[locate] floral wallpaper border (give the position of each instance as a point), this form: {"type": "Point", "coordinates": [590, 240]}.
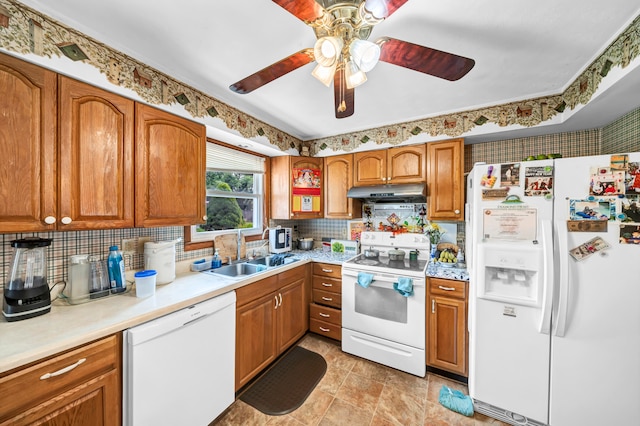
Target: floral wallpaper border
{"type": "Point", "coordinates": [24, 30]}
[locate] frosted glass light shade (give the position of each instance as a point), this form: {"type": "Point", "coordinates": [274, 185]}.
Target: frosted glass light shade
{"type": "Point", "coordinates": [327, 50]}
{"type": "Point", "coordinates": [365, 54]}
{"type": "Point", "coordinates": [377, 8]}
{"type": "Point", "coordinates": [354, 76]}
{"type": "Point", "coordinates": [324, 74]}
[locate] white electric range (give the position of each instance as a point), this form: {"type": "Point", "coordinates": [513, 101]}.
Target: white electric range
{"type": "Point", "coordinates": [380, 323]}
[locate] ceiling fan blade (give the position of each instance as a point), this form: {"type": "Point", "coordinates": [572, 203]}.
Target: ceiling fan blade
{"type": "Point", "coordinates": [424, 59]}
{"type": "Point", "coordinates": [305, 10]}
{"type": "Point", "coordinates": [273, 71]}
{"type": "Point", "coordinates": [343, 97]}
{"type": "Point", "coordinates": [383, 7]}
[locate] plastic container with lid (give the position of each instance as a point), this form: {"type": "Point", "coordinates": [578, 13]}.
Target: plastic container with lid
{"type": "Point", "coordinates": [77, 288]}
{"type": "Point", "coordinates": [116, 270]}
{"type": "Point", "coordinates": [145, 283]}
{"type": "Point", "coordinates": [161, 257]}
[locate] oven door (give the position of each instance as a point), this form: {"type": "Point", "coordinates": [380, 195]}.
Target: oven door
{"type": "Point", "coordinates": [381, 311]}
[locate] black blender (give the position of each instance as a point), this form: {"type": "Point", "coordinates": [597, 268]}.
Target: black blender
{"type": "Point", "coordinates": [26, 294]}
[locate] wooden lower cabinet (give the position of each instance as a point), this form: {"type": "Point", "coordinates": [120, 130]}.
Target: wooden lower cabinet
{"type": "Point", "coordinates": [447, 336]}
{"type": "Point", "coordinates": [51, 393]}
{"type": "Point", "coordinates": [325, 315]}
{"type": "Point", "coordinates": [271, 315]}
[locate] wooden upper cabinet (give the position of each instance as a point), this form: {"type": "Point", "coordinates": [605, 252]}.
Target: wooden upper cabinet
{"type": "Point", "coordinates": [338, 178]}
{"type": "Point", "coordinates": [96, 158]}
{"type": "Point", "coordinates": [370, 168]}
{"type": "Point", "coordinates": [404, 164]}
{"type": "Point", "coordinates": [28, 184]}
{"type": "Point", "coordinates": [445, 183]}
{"type": "Point", "coordinates": [170, 169]}
{"type": "Point", "coordinates": [297, 188]}
{"type": "Point", "coordinates": [407, 164]}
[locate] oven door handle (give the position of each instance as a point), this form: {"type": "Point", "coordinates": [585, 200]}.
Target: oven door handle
{"type": "Point", "coordinates": [386, 280]}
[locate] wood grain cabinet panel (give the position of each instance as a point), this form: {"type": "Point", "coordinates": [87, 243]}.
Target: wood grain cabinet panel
{"type": "Point", "coordinates": [79, 387]}
{"type": "Point", "coordinates": [96, 157]}
{"type": "Point", "coordinates": [28, 146]}
{"type": "Point", "coordinates": [447, 336]}
{"type": "Point", "coordinates": [404, 164]}
{"type": "Point", "coordinates": [284, 203]}
{"type": "Point", "coordinates": [338, 172]}
{"type": "Point", "coordinates": [170, 169]}
{"type": "Point", "coordinates": [445, 182]}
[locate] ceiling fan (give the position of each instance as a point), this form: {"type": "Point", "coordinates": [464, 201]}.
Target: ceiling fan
{"type": "Point", "coordinates": [344, 54]}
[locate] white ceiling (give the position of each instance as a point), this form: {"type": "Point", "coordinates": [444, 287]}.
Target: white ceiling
{"type": "Point", "coordinates": [522, 49]}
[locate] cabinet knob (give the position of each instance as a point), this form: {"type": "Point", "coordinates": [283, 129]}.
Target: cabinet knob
{"type": "Point", "coordinates": [66, 220]}
{"type": "Point", "coordinates": [292, 214]}
{"type": "Point", "coordinates": [456, 211]}
{"type": "Point", "coordinates": [49, 220]}
{"type": "Point", "coordinates": [204, 218]}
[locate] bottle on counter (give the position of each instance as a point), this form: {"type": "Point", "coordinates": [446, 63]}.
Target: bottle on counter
{"type": "Point", "coordinates": [116, 270]}
{"type": "Point", "coordinates": [217, 261]}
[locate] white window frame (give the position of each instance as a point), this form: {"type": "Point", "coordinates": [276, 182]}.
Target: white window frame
{"type": "Point", "coordinates": [218, 152]}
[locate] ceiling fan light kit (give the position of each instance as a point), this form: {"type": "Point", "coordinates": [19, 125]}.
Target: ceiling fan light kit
{"type": "Point", "coordinates": [344, 54]}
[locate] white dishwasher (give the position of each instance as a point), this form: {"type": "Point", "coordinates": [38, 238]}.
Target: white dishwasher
{"type": "Point", "coordinates": [179, 369]}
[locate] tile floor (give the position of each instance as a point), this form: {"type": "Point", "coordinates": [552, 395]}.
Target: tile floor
{"type": "Point", "coordinates": [355, 391]}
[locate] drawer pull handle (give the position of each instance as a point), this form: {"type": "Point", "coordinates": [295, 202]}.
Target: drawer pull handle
{"type": "Point", "coordinates": [322, 314]}
{"type": "Point", "coordinates": [63, 370]}
{"type": "Point", "coordinates": [327, 285]}
{"type": "Point", "coordinates": [328, 299]}
{"type": "Point", "coordinates": [327, 270]}
{"type": "Point", "coordinates": [446, 288]}
{"type": "Point", "coordinates": [326, 330]}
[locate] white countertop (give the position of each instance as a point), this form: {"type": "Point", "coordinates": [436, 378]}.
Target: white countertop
{"type": "Point", "coordinates": [68, 326]}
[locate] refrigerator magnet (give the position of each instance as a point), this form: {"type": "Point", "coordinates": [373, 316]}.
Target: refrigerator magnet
{"type": "Point", "coordinates": [630, 234]}
{"type": "Point", "coordinates": [592, 246]}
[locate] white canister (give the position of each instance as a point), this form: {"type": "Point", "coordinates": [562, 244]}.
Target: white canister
{"type": "Point", "coordinates": [161, 257]}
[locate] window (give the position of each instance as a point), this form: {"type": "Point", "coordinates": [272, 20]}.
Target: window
{"type": "Point", "coordinates": [235, 193]}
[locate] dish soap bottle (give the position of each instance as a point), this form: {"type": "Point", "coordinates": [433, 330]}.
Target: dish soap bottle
{"type": "Point", "coordinates": [116, 270]}
{"type": "Point", "coordinates": [216, 262]}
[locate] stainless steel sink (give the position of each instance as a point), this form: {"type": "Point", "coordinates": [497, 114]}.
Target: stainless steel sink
{"type": "Point", "coordinates": [267, 260]}
{"type": "Point", "coordinates": [236, 270]}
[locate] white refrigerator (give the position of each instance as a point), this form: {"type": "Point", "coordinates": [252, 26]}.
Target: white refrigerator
{"type": "Point", "coordinates": [553, 252]}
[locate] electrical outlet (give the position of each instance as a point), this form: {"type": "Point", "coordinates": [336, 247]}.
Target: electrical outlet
{"type": "Point", "coordinates": [141, 241]}
{"type": "Point", "coordinates": [129, 245]}
{"type": "Point", "coordinates": [344, 232]}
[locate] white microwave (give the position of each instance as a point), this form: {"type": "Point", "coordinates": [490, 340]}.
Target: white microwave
{"type": "Point", "coordinates": [280, 240]}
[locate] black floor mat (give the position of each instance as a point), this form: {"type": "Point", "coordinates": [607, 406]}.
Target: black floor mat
{"type": "Point", "coordinates": [287, 384]}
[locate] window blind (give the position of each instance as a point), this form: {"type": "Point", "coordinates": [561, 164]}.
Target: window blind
{"type": "Point", "coordinates": [223, 158]}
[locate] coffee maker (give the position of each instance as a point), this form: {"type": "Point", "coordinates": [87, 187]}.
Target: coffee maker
{"type": "Point", "coordinates": [26, 294]}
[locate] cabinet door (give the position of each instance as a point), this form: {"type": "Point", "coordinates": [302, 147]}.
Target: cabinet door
{"type": "Point", "coordinates": [96, 158]}
{"type": "Point", "coordinates": [338, 172]}
{"type": "Point", "coordinates": [255, 337]}
{"type": "Point", "coordinates": [28, 183]}
{"type": "Point", "coordinates": [289, 201]}
{"type": "Point", "coordinates": [407, 164]}
{"type": "Point", "coordinates": [170, 169]}
{"type": "Point", "coordinates": [94, 403]}
{"type": "Point", "coordinates": [369, 168]}
{"type": "Point", "coordinates": [292, 314]}
{"type": "Point", "coordinates": [445, 180]}
{"type": "Point", "coordinates": [447, 335]}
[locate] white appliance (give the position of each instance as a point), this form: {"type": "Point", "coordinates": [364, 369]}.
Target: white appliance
{"type": "Point", "coordinates": [179, 369]}
{"type": "Point", "coordinates": [379, 323]}
{"type": "Point", "coordinates": [279, 240]}
{"type": "Point", "coordinates": [554, 340]}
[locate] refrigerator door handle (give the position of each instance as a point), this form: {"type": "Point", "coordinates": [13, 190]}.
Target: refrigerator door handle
{"type": "Point", "coordinates": [563, 294]}
{"type": "Point", "coordinates": [547, 284]}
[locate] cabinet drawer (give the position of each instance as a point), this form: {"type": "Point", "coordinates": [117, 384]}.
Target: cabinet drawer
{"type": "Point", "coordinates": [448, 288]}
{"type": "Point", "coordinates": [327, 284]}
{"type": "Point", "coordinates": [327, 270]}
{"type": "Point", "coordinates": [327, 298]}
{"type": "Point", "coordinates": [42, 381]}
{"type": "Point", "coordinates": [325, 314]}
{"type": "Point", "coordinates": [326, 329]}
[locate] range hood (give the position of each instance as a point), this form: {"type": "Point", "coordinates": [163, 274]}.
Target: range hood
{"type": "Point", "coordinates": [409, 193]}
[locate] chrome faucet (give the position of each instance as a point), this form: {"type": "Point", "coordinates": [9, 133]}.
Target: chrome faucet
{"type": "Point", "coordinates": [239, 244]}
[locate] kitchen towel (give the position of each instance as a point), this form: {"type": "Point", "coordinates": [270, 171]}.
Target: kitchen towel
{"type": "Point", "coordinates": [456, 401]}
{"type": "Point", "coordinates": [404, 286]}
{"type": "Point", "coordinates": [261, 268]}
{"type": "Point", "coordinates": [364, 279]}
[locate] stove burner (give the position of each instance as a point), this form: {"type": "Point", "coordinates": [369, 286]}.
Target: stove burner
{"type": "Point", "coordinates": [368, 262]}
